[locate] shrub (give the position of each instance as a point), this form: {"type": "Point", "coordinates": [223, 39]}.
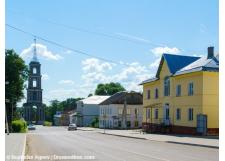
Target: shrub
{"type": "Point", "coordinates": [47, 123]}
{"type": "Point", "coordinates": [95, 122]}
{"type": "Point", "coordinates": [19, 126]}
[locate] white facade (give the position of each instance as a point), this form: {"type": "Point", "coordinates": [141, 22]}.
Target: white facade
{"type": "Point", "coordinates": [88, 110]}
{"type": "Point", "coordinates": [110, 116]}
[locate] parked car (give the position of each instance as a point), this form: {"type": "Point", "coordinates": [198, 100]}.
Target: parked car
{"type": "Point", "coordinates": [72, 127]}
{"type": "Point", "coordinates": [31, 127]}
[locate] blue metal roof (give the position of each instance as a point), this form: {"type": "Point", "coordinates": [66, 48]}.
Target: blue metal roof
{"type": "Point", "coordinates": [180, 64]}
{"type": "Point", "coordinates": [176, 62]}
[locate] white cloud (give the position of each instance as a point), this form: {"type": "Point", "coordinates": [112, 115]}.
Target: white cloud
{"type": "Point", "coordinates": [69, 82]}
{"type": "Point", "coordinates": [93, 64]}
{"type": "Point", "coordinates": [155, 64]}
{"type": "Point", "coordinates": [158, 51]}
{"type": "Point", "coordinates": [42, 51]}
{"type": "Point", "coordinates": [45, 77]}
{"type": "Point", "coordinates": [96, 71]}
{"type": "Point", "coordinates": [60, 94]}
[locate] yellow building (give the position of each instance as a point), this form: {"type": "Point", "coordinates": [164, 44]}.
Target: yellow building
{"type": "Point", "coordinates": [183, 97]}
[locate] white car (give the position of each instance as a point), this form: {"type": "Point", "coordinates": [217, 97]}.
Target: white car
{"type": "Point", "coordinates": [72, 127]}
{"type": "Point", "coordinates": [31, 127]}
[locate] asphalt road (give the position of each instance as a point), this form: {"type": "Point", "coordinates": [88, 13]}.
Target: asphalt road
{"type": "Point", "coordinates": [56, 143]}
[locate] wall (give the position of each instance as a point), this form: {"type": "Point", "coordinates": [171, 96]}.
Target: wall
{"type": "Point", "coordinates": [211, 98]}
{"type": "Point", "coordinates": [115, 112]}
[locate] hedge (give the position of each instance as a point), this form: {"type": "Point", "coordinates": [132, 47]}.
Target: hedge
{"type": "Point", "coordinates": [47, 123]}
{"type": "Point", "coordinates": [19, 126]}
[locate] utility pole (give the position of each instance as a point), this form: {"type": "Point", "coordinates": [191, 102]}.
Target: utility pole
{"type": "Point", "coordinates": [6, 119]}
{"type": "Point", "coordinates": [125, 112]}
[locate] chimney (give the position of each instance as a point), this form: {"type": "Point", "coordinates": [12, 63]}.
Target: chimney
{"type": "Point", "coordinates": [210, 52]}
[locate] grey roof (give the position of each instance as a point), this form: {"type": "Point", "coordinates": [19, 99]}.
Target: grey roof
{"type": "Point", "coordinates": [94, 99]}
{"type": "Point", "coordinates": [132, 98]}
{"type": "Point", "coordinates": [179, 64]}
{"type": "Point", "coordinates": [202, 64]}
{"type": "Point", "coordinates": [149, 80]}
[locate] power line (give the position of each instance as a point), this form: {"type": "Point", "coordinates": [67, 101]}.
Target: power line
{"type": "Point", "coordinates": [131, 39]}
{"type": "Point", "coordinates": [62, 46]}
{"type": "Point", "coordinates": [88, 31]}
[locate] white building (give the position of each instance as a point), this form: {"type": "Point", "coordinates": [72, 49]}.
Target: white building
{"type": "Point", "coordinates": [114, 109]}
{"type": "Point", "coordinates": [87, 110]}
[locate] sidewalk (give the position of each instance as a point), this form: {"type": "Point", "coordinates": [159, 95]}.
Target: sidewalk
{"type": "Point", "coordinates": [178, 139]}
{"type": "Point", "coordinates": [15, 146]}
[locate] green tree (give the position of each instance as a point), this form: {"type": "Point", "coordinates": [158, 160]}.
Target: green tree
{"type": "Point", "coordinates": [109, 88]}
{"type": "Point", "coordinates": [50, 110]}
{"type": "Point", "coordinates": [16, 73]}
{"type": "Point", "coordinates": [90, 95]}
{"type": "Point", "coordinates": [55, 105]}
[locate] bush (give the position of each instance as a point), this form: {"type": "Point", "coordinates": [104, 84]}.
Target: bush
{"type": "Point", "coordinates": [95, 122]}
{"type": "Point", "coordinates": [19, 126]}
{"type": "Point", "coordinates": [47, 123]}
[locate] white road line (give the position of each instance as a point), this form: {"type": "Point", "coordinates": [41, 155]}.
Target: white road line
{"type": "Point", "coordinates": [24, 147]}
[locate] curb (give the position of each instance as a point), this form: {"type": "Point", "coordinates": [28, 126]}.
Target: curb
{"type": "Point", "coordinates": [85, 130]}
{"type": "Point", "coordinates": [200, 145]}
{"type": "Point", "coordinates": [172, 142]}
{"type": "Point", "coordinates": [123, 136]}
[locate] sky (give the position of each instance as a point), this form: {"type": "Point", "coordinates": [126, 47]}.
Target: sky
{"type": "Point", "coordinates": [124, 40]}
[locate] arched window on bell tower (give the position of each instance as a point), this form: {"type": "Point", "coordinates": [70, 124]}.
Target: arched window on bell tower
{"type": "Point", "coordinates": [34, 83]}
{"type": "Point", "coordinates": [34, 70]}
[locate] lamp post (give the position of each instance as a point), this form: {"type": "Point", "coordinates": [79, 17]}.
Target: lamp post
{"type": "Point", "coordinates": [104, 116]}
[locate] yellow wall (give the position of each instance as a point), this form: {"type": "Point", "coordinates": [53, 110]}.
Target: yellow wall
{"type": "Point", "coordinates": [211, 98]}
{"type": "Point", "coordinates": [204, 101]}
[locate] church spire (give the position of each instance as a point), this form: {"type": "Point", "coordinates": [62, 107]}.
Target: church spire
{"type": "Point", "coordinates": [35, 52]}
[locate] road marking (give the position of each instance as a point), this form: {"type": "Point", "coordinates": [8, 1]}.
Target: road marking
{"type": "Point", "coordinates": [24, 147]}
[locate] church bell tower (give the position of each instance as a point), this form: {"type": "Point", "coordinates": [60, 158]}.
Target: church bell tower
{"type": "Point", "coordinates": [33, 108]}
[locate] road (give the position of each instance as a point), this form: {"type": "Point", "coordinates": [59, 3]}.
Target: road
{"type": "Point", "coordinates": [56, 143]}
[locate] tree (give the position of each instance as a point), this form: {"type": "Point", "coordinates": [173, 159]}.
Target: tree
{"type": "Point", "coordinates": [109, 88]}
{"type": "Point", "coordinates": [16, 73]}
{"type": "Point", "coordinates": [63, 106]}
{"type": "Point", "coordinates": [90, 95]}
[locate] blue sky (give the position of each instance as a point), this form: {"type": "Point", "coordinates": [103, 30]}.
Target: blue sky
{"type": "Point", "coordinates": [139, 31]}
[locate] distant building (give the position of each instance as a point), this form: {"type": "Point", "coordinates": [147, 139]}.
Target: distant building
{"type": "Point", "coordinates": [87, 110]}
{"type": "Point", "coordinates": [122, 110]}
{"type": "Point", "coordinates": [57, 118]}
{"type": "Point", "coordinates": [62, 118]}
{"type": "Point", "coordinates": [183, 97]}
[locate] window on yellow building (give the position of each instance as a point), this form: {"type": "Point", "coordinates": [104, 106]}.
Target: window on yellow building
{"type": "Point", "coordinates": [190, 114]}
{"type": "Point", "coordinates": [148, 113]}
{"type": "Point", "coordinates": [178, 90]}
{"type": "Point", "coordinates": [167, 86]}
{"type": "Point", "coordinates": [178, 114]}
{"type": "Point", "coordinates": [148, 94]}
{"type": "Point", "coordinates": [190, 89]}
{"type": "Point", "coordinates": [156, 113]}
{"type": "Point", "coordinates": [156, 93]}
{"type": "Point", "coordinates": [136, 112]}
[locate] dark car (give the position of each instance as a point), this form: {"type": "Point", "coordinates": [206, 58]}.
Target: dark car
{"type": "Point", "coordinates": [72, 127]}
